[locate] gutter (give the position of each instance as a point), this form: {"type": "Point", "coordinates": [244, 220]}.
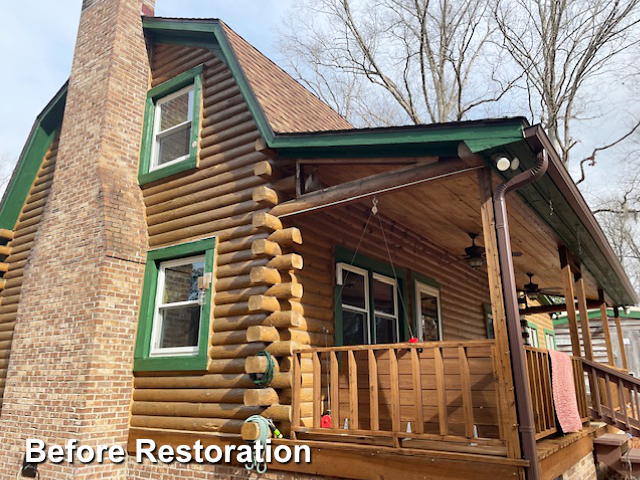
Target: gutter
{"type": "Point", "coordinates": [516, 345]}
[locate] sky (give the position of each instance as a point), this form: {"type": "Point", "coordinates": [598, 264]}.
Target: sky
{"type": "Point", "coordinates": [36, 49]}
{"type": "Point", "coordinates": [37, 41]}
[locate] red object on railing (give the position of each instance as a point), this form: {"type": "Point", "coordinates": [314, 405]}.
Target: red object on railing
{"type": "Point", "coordinates": [413, 340]}
{"type": "Point", "coordinates": [325, 421]}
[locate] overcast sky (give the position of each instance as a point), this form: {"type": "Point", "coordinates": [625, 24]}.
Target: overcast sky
{"type": "Point", "coordinates": [36, 49]}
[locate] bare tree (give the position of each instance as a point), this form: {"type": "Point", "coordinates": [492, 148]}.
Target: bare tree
{"type": "Point", "coordinates": [418, 60]}
{"type": "Point", "coordinates": [561, 46]}
{"type": "Point", "coordinates": [7, 162]}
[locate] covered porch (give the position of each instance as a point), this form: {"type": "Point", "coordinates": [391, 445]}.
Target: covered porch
{"type": "Point", "coordinates": [359, 381]}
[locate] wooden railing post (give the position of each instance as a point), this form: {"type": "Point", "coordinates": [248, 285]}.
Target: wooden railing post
{"type": "Point", "coordinates": [604, 317]}
{"type": "Point", "coordinates": [623, 350]}
{"type": "Point", "coordinates": [506, 389]}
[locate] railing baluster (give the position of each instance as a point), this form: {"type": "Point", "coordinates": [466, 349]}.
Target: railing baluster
{"type": "Point", "coordinates": [467, 401]}
{"type": "Point", "coordinates": [317, 389]}
{"type": "Point", "coordinates": [548, 393]}
{"type": "Point", "coordinates": [598, 398]}
{"type": "Point", "coordinates": [610, 405]}
{"type": "Point", "coordinates": [395, 390]}
{"type": "Point", "coordinates": [416, 374]}
{"type": "Point", "coordinates": [373, 391]}
{"type": "Point", "coordinates": [442, 392]}
{"type": "Point", "coordinates": [353, 391]}
{"type": "Point", "coordinates": [334, 389]}
{"type": "Point", "coordinates": [623, 402]}
{"type": "Point", "coordinates": [634, 396]}
{"type": "Point", "coordinates": [296, 393]}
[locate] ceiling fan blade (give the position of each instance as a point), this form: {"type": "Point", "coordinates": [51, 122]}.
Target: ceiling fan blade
{"type": "Point", "coordinates": [516, 254]}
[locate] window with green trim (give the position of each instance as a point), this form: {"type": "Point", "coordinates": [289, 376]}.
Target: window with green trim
{"type": "Point", "coordinates": [532, 334]}
{"type": "Point", "coordinates": [172, 121]}
{"type": "Point", "coordinates": [550, 339]}
{"type": "Point", "coordinates": [173, 331]}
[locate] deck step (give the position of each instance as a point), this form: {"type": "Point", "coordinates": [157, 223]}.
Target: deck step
{"type": "Point", "coordinates": [611, 439]}
{"type": "Point", "coordinates": [632, 456]}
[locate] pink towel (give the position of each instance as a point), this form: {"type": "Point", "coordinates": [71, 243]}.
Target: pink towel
{"type": "Point", "coordinates": [564, 392]}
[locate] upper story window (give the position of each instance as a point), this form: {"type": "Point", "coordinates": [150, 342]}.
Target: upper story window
{"type": "Point", "coordinates": [171, 127]}
{"type": "Point", "coordinates": [173, 330]}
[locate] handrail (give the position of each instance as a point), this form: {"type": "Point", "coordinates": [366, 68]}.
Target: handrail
{"type": "Point", "coordinates": [433, 395]}
{"type": "Point", "coordinates": [615, 397]}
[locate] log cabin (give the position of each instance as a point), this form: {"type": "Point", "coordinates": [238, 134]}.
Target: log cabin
{"type": "Point", "coordinates": [191, 238]}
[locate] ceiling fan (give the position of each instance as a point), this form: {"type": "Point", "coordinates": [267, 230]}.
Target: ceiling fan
{"type": "Point", "coordinates": [532, 289]}
{"type": "Point", "coordinates": [475, 254]}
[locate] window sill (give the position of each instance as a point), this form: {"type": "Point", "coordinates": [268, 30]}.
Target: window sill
{"type": "Point", "coordinates": [173, 169]}
{"type": "Point", "coordinates": [179, 363]}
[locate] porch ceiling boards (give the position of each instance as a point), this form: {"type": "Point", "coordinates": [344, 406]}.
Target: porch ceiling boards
{"type": "Point", "coordinates": [444, 211]}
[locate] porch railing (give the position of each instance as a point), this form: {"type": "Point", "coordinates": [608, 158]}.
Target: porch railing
{"type": "Point", "coordinates": [436, 395]}
{"type": "Point", "coordinates": [615, 396]}
{"type": "Point", "coordinates": [539, 370]}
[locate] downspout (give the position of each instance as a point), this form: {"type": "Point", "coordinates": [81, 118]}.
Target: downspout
{"type": "Point", "coordinates": [516, 345]}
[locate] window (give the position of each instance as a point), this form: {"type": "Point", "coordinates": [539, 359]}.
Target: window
{"type": "Point", "coordinates": [532, 335]}
{"type": "Point", "coordinates": [171, 127]}
{"type": "Point", "coordinates": [550, 339]}
{"type": "Point", "coordinates": [429, 325]}
{"type": "Point", "coordinates": [173, 330]}
{"type": "Point", "coordinates": [369, 309]}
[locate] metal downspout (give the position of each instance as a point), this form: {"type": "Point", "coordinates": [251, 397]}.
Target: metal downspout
{"type": "Point", "coordinates": [516, 344]}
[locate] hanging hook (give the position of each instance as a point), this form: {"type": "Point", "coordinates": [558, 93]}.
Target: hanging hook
{"type": "Point", "coordinates": [374, 209]}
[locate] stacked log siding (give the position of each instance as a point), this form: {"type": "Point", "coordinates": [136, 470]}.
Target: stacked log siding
{"type": "Point", "coordinates": [24, 234]}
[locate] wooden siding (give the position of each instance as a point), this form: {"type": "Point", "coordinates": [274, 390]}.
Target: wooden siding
{"type": "Point", "coordinates": [25, 231]}
{"type": "Point", "coordinates": [215, 199]}
{"type": "Point", "coordinates": [463, 291]}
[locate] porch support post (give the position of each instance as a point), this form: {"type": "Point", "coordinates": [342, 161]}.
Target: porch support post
{"type": "Point", "coordinates": [604, 316]}
{"type": "Point", "coordinates": [569, 296]}
{"type": "Point", "coordinates": [584, 319]}
{"type": "Point", "coordinates": [507, 400]}
{"type": "Point", "coordinates": [623, 351]}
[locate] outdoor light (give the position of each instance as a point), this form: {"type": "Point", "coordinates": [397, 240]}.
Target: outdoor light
{"type": "Point", "coordinates": [502, 161]}
{"type": "Point", "coordinates": [515, 163]}
{"type": "Point", "coordinates": [475, 262]}
{"type": "Point", "coordinates": [627, 310]}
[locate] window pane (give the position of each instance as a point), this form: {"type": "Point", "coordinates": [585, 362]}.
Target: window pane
{"type": "Point", "coordinates": [429, 317]}
{"type": "Point", "coordinates": [383, 297]}
{"type": "Point", "coordinates": [180, 326]}
{"type": "Point", "coordinates": [353, 328]}
{"type": "Point", "coordinates": [353, 289]}
{"type": "Point", "coordinates": [385, 330]}
{"type": "Point", "coordinates": [176, 111]}
{"type": "Point", "coordinates": [181, 282]}
{"type": "Point", "coordinates": [174, 145]}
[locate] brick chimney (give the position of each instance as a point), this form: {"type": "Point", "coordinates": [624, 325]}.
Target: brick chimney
{"type": "Point", "coordinates": [70, 367]}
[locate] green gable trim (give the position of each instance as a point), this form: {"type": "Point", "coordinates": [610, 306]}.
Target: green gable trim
{"type": "Point", "coordinates": [190, 77]}
{"type": "Point", "coordinates": [142, 360]}
{"type": "Point", "coordinates": [44, 130]}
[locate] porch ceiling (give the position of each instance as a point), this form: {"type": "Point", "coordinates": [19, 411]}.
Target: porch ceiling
{"type": "Point", "coordinates": [445, 211]}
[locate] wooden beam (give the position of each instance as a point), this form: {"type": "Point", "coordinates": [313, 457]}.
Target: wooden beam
{"type": "Point", "coordinates": [584, 319]}
{"type": "Point", "coordinates": [506, 389]}
{"type": "Point", "coordinates": [568, 283]}
{"type": "Point", "coordinates": [559, 307]}
{"type": "Point", "coordinates": [605, 329]}
{"type": "Point", "coordinates": [623, 350]}
{"type": "Point", "coordinates": [372, 185]}
{"type": "Point", "coordinates": [368, 161]}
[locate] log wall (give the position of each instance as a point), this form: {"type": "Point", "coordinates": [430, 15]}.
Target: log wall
{"type": "Point", "coordinates": [24, 234]}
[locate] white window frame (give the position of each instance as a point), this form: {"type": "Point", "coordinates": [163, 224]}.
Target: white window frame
{"type": "Point", "coordinates": [396, 317]}
{"type": "Point", "coordinates": [155, 350]}
{"type": "Point", "coordinates": [551, 345]}
{"type": "Point", "coordinates": [344, 267]}
{"type": "Point", "coordinates": [420, 287]}
{"type": "Point", "coordinates": [533, 334]}
{"type": "Point", "coordinates": [157, 134]}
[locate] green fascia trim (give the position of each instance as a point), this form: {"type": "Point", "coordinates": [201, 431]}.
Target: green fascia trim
{"type": "Point", "coordinates": [193, 76]}
{"type": "Point", "coordinates": [142, 360]}
{"type": "Point", "coordinates": [435, 140]}
{"type": "Point", "coordinates": [42, 134]}
{"type": "Point", "coordinates": [204, 31]}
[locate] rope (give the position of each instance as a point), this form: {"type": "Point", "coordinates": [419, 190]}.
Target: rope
{"type": "Point", "coordinates": [265, 426]}
{"type": "Point", "coordinates": [393, 269]}
{"type": "Point", "coordinates": [264, 379]}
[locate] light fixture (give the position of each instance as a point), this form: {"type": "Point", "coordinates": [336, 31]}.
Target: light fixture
{"type": "Point", "coordinates": [515, 163]}
{"type": "Point", "coordinates": [627, 310]}
{"type": "Point", "coordinates": [502, 161]}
